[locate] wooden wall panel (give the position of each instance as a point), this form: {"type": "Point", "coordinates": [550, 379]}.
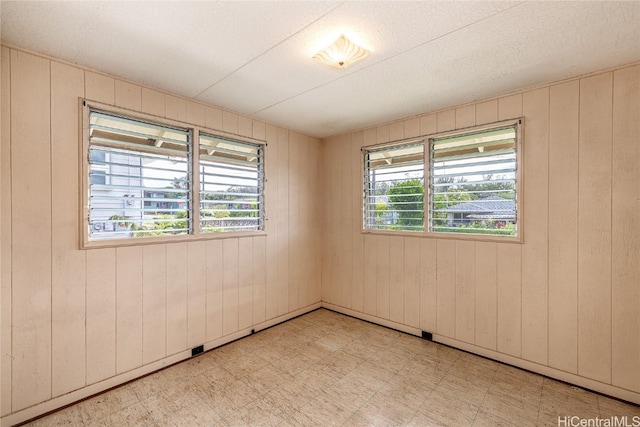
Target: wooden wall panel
{"type": "Point", "coordinates": [446, 120]}
{"type": "Point", "coordinates": [175, 108]}
{"type": "Point", "coordinates": [428, 284]}
{"type": "Point", "coordinates": [245, 126]}
{"type": "Point", "coordinates": [536, 224]}
{"type": "Point", "coordinates": [271, 223]}
{"type": "Point", "coordinates": [625, 222]}
{"type": "Point", "coordinates": [196, 293]}
{"type": "Point", "coordinates": [259, 279]}
{"type": "Point", "coordinates": [67, 272]}
{"type": "Point", "coordinates": [465, 116]}
{"type": "Point", "coordinates": [154, 302]}
{"type": "Point", "coordinates": [411, 267]}
{"type": "Point", "coordinates": [31, 234]}
{"type": "Point", "coordinates": [128, 95]}
{"type": "Point", "coordinates": [214, 307]}
{"type": "Point", "coordinates": [357, 254]}
{"type": "Point", "coordinates": [98, 87]}
{"type": "Point", "coordinates": [213, 118]}
{"type": "Point", "coordinates": [295, 246]}
{"type": "Point", "coordinates": [428, 124]}
{"type": "Point", "coordinates": [563, 226]}
{"type": "Point", "coordinates": [382, 263]}
{"type": "Point", "coordinates": [5, 232]}
{"type": "Point", "coordinates": [396, 278]}
{"type": "Point", "coordinates": [370, 286]}
{"type": "Point", "coordinates": [305, 224]}
{"type": "Point", "coordinates": [176, 297]}
{"type": "Point", "coordinates": [465, 291]}
{"type": "Point", "coordinates": [152, 102]}
{"type": "Point", "coordinates": [128, 308]}
{"type": "Point", "coordinates": [486, 294]}
{"type": "Point", "coordinates": [446, 287]}
{"type": "Point", "coordinates": [346, 223]}
{"type": "Point", "coordinates": [101, 314]}
{"type": "Point", "coordinates": [230, 294]}
{"type": "Point", "coordinates": [229, 122]}
{"type": "Point", "coordinates": [334, 166]}
{"type": "Point", "coordinates": [282, 257]}
{"type": "Point", "coordinates": [487, 112]}
{"type": "Point", "coordinates": [245, 282]}
{"type": "Point", "coordinates": [325, 261]}
{"type": "Point", "coordinates": [594, 228]}
{"type": "Point", "coordinates": [196, 114]}
{"type": "Point", "coordinates": [509, 331]}
{"type": "Point", "coordinates": [316, 184]}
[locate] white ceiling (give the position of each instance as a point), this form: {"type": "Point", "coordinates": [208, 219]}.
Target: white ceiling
{"type": "Point", "coordinates": [255, 57]}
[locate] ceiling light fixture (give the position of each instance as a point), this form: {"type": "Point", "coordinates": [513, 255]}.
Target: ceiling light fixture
{"type": "Point", "coordinates": [341, 53]}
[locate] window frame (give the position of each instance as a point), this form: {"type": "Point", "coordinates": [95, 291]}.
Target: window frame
{"type": "Point", "coordinates": [195, 234]}
{"type": "Point", "coordinates": [517, 123]}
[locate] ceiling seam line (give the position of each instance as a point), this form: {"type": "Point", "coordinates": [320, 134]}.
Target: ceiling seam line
{"type": "Point", "coordinates": [387, 59]}
{"type": "Point", "coordinates": [268, 50]}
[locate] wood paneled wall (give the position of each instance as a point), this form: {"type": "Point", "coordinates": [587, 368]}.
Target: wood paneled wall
{"type": "Point", "coordinates": [74, 318]}
{"type": "Point", "coordinates": [567, 300]}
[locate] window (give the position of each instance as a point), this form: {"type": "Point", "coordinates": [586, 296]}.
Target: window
{"type": "Point", "coordinates": [139, 178]}
{"type": "Point", "coordinates": [231, 184]}
{"type": "Point", "coordinates": [394, 187]}
{"type": "Point", "coordinates": [472, 183]}
{"type": "Point", "coordinates": [145, 179]}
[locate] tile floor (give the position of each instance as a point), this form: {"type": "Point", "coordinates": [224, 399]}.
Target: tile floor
{"type": "Point", "coordinates": [325, 369]}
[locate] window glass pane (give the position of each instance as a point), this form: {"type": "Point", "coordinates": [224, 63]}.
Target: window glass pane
{"type": "Point", "coordinates": [394, 188]}
{"type": "Point", "coordinates": [231, 185]}
{"type": "Point", "coordinates": [473, 182]}
{"type": "Point", "coordinates": [139, 178]}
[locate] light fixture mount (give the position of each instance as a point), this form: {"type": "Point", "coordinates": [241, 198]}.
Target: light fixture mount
{"type": "Point", "coordinates": [341, 53]}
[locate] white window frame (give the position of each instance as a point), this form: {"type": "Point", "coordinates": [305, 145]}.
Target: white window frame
{"type": "Point", "coordinates": [86, 242]}
{"type": "Point", "coordinates": [518, 237]}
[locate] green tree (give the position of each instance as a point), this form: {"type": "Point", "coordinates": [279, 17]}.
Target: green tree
{"type": "Point", "coordinates": [407, 198]}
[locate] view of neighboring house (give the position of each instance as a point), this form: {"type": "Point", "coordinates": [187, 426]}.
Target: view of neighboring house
{"type": "Point", "coordinates": [493, 208]}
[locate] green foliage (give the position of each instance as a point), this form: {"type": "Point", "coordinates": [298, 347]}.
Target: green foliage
{"type": "Point", "coordinates": [218, 211]}
{"type": "Point", "coordinates": [407, 198]}
{"type": "Point", "coordinates": [480, 227]}
{"type": "Point", "coordinates": [163, 224]}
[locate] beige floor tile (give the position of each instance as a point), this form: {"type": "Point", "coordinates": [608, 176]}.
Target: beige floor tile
{"type": "Point", "coordinates": [470, 390]}
{"type": "Point", "coordinates": [69, 417]}
{"type": "Point", "coordinates": [439, 409]}
{"type": "Point", "coordinates": [397, 412]}
{"type": "Point", "coordinates": [406, 390]}
{"type": "Point", "coordinates": [313, 351]}
{"type": "Point", "coordinates": [267, 378]}
{"type": "Point", "coordinates": [133, 415]}
{"type": "Point", "coordinates": [189, 416]}
{"type": "Point", "coordinates": [609, 407]}
{"type": "Point", "coordinates": [487, 419]}
{"type": "Point", "coordinates": [323, 410]}
{"type": "Point", "coordinates": [351, 390]}
{"type": "Point", "coordinates": [291, 395]}
{"type": "Point", "coordinates": [260, 413]}
{"type": "Point", "coordinates": [242, 365]}
{"type": "Point", "coordinates": [105, 404]}
{"type": "Point", "coordinates": [511, 408]}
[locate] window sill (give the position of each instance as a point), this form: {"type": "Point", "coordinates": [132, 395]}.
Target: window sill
{"type": "Point", "coordinates": [156, 240]}
{"type": "Point", "coordinates": [448, 236]}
